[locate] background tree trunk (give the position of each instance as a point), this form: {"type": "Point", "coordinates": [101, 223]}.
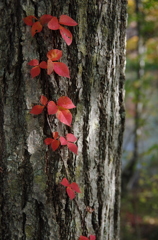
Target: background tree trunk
{"type": "Point", "coordinates": [33, 203]}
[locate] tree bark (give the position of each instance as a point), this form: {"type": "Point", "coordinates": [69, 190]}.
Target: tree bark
{"type": "Point", "coordinates": [33, 203]}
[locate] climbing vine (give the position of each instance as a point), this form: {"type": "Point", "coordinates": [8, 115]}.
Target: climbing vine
{"type": "Point", "coordinates": [63, 105]}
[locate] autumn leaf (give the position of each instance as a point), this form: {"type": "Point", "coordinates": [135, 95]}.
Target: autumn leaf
{"type": "Point", "coordinates": [52, 107]}
{"type": "Point", "coordinates": [71, 188]}
{"type": "Point", "coordinates": [29, 20]}
{"type": "Point", "coordinates": [53, 24]}
{"type": "Point", "coordinates": [64, 116]}
{"type": "Point", "coordinates": [83, 238]}
{"type": "Point", "coordinates": [36, 27]}
{"type": "Point", "coordinates": [70, 193]}
{"type": "Point", "coordinates": [43, 65]}
{"type": "Point", "coordinates": [92, 237]}
{"type": "Point", "coordinates": [55, 135]}
{"type": "Point", "coordinates": [72, 147]}
{"type": "Point", "coordinates": [71, 138]}
{"type": "Point", "coordinates": [65, 102]}
{"type": "Point", "coordinates": [37, 109]}
{"type": "Point", "coordinates": [66, 20]}
{"type": "Point", "coordinates": [33, 62]}
{"type": "Point", "coordinates": [66, 35]}
{"type": "Point", "coordinates": [35, 71]}
{"type": "Point", "coordinates": [75, 187]}
{"type": "Point", "coordinates": [44, 19]}
{"type": "Point", "coordinates": [63, 141]}
{"type": "Point", "coordinates": [54, 54]}
{"type": "Point", "coordinates": [50, 67]}
{"type": "Point", "coordinates": [65, 182]}
{"type": "Point", "coordinates": [43, 100]}
{"type": "Point", "coordinates": [48, 141]}
{"type": "Point", "coordinates": [54, 142]}
{"type": "Point", "coordinates": [61, 69]}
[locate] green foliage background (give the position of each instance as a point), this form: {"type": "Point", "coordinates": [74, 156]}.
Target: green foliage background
{"type": "Point", "coordinates": [140, 196]}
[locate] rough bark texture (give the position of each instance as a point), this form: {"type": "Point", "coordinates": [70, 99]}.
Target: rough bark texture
{"type": "Point", "coordinates": [33, 203]}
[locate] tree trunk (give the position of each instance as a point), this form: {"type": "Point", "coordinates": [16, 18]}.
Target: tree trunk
{"type": "Point", "coordinates": [34, 205]}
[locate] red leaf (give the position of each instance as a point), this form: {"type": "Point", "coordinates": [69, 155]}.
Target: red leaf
{"type": "Point", "coordinates": [45, 18]}
{"type": "Point", "coordinates": [35, 71]}
{"type": "Point", "coordinates": [66, 20]}
{"type": "Point", "coordinates": [37, 109]}
{"type": "Point", "coordinates": [70, 193]}
{"type": "Point", "coordinates": [43, 100]}
{"type": "Point", "coordinates": [64, 116]}
{"type": "Point", "coordinates": [54, 54]}
{"type": "Point", "coordinates": [83, 238]}
{"type": "Point", "coordinates": [52, 107]}
{"type": "Point", "coordinates": [36, 27]}
{"type": "Point", "coordinates": [43, 65]}
{"type": "Point", "coordinates": [65, 102]}
{"type": "Point", "coordinates": [75, 187]}
{"type": "Point", "coordinates": [63, 141]}
{"type": "Point", "coordinates": [61, 69]}
{"type": "Point", "coordinates": [33, 62]}
{"type": "Point", "coordinates": [55, 144]}
{"type": "Point", "coordinates": [92, 237]}
{"type": "Point", "coordinates": [55, 135]}
{"type": "Point", "coordinates": [71, 138]}
{"type": "Point", "coordinates": [50, 66]}
{"type": "Point", "coordinates": [48, 141]}
{"type": "Point", "coordinates": [53, 24]}
{"type": "Point", "coordinates": [29, 20]}
{"type": "Point", "coordinates": [65, 182]}
{"type": "Point", "coordinates": [72, 147]}
{"type": "Point", "coordinates": [66, 35]}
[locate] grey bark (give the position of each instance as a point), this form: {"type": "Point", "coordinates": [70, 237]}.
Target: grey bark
{"type": "Point", "coordinates": [33, 203]}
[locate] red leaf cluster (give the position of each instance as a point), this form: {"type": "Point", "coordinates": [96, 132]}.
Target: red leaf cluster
{"type": "Point", "coordinates": [60, 68]}
{"type": "Point", "coordinates": [91, 237]}
{"type": "Point", "coordinates": [37, 26]}
{"type": "Point", "coordinates": [71, 188]}
{"type": "Point", "coordinates": [38, 109]}
{"type": "Point", "coordinates": [70, 138]}
{"type": "Point", "coordinates": [36, 70]}
{"type": "Point", "coordinates": [56, 141]}
{"type": "Point", "coordinates": [61, 109]}
{"type": "Point", "coordinates": [53, 24]}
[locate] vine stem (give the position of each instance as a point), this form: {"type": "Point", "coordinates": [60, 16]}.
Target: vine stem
{"type": "Point", "coordinates": [49, 124]}
{"type": "Point", "coordinates": [81, 216]}
{"type": "Point", "coordinates": [83, 223]}
{"type": "Point", "coordinates": [67, 174]}
{"type": "Point", "coordinates": [66, 171]}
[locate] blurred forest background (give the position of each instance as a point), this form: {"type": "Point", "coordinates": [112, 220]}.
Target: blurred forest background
{"type": "Point", "coordinates": [139, 210]}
